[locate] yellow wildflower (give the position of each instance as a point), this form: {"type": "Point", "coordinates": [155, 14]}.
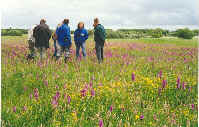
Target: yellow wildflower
{"type": "Point", "coordinates": [137, 117]}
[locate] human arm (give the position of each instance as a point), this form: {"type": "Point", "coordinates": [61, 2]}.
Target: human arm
{"type": "Point", "coordinates": [86, 35]}
{"type": "Point", "coordinates": [68, 36]}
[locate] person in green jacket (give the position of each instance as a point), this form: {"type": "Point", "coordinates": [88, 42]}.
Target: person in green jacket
{"type": "Point", "coordinates": [99, 37]}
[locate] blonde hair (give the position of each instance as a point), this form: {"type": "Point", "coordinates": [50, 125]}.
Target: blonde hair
{"type": "Point", "coordinates": [58, 25]}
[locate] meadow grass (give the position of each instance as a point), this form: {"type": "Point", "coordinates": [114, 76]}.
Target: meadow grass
{"type": "Point", "coordinates": [142, 83]}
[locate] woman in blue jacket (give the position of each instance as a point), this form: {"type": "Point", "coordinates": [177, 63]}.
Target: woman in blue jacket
{"type": "Point", "coordinates": [80, 37]}
{"type": "Point", "coordinates": [64, 40]}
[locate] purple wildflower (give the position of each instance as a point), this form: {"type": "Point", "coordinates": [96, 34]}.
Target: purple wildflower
{"type": "Point", "coordinates": [101, 123]}
{"type": "Point", "coordinates": [24, 108]}
{"type": "Point", "coordinates": [65, 96]}
{"type": "Point", "coordinates": [46, 83]}
{"type": "Point", "coordinates": [164, 83]}
{"type": "Point", "coordinates": [192, 106]}
{"type": "Point", "coordinates": [93, 78]}
{"type": "Point", "coordinates": [30, 96]}
{"type": "Point", "coordinates": [57, 87]}
{"type": "Point", "coordinates": [160, 74]}
{"type": "Point", "coordinates": [83, 92]}
{"type": "Point", "coordinates": [133, 77]}
{"type": "Point", "coordinates": [141, 117]}
{"type": "Point", "coordinates": [56, 97]}
{"type": "Point", "coordinates": [92, 92]}
{"type": "Point", "coordinates": [58, 94]}
{"type": "Point", "coordinates": [90, 84]}
{"type": "Point", "coordinates": [154, 117]}
{"type": "Point", "coordinates": [65, 86]}
{"type": "Point", "coordinates": [69, 99]}
{"type": "Point", "coordinates": [25, 88]}
{"type": "Point", "coordinates": [86, 87]}
{"type": "Point", "coordinates": [111, 108]}
{"type": "Point", "coordinates": [36, 93]}
{"type": "Point", "coordinates": [178, 83]}
{"type": "Point", "coordinates": [14, 109]}
{"type": "Point", "coordinates": [54, 103]}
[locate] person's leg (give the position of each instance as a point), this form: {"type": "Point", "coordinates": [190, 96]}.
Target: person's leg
{"type": "Point", "coordinates": [67, 53]}
{"type": "Point", "coordinates": [59, 51]}
{"type": "Point", "coordinates": [102, 53]}
{"type": "Point", "coordinates": [55, 47]}
{"type": "Point", "coordinates": [83, 46]}
{"type": "Point", "coordinates": [39, 50]}
{"type": "Point", "coordinates": [31, 47]}
{"type": "Point", "coordinates": [44, 52]}
{"type": "Point", "coordinates": [98, 52]}
{"type": "Point", "coordinates": [77, 50]}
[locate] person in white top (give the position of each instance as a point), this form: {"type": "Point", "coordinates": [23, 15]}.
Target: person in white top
{"type": "Point", "coordinates": [54, 37]}
{"type": "Point", "coordinates": [31, 43]}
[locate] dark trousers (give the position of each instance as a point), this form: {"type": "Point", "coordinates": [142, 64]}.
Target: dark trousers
{"type": "Point", "coordinates": [55, 47]}
{"type": "Point", "coordinates": [99, 47]}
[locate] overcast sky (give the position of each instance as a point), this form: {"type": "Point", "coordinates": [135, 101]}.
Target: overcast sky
{"type": "Point", "coordinates": [112, 13]}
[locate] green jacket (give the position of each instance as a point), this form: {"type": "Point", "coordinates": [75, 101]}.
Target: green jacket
{"type": "Point", "coordinates": [99, 34]}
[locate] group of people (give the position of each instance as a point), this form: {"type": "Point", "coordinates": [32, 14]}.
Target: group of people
{"type": "Point", "coordinates": [39, 36]}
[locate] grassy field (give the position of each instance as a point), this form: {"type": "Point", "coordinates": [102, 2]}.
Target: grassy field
{"type": "Point", "coordinates": [142, 83]}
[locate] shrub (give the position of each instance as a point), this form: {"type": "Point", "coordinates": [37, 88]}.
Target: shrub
{"type": "Point", "coordinates": [196, 32]}
{"type": "Point", "coordinates": [114, 34]}
{"type": "Point", "coordinates": [157, 33]}
{"type": "Point", "coordinates": [12, 32]}
{"type": "Point", "coordinates": [185, 33]}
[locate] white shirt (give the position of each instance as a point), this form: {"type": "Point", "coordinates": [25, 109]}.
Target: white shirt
{"type": "Point", "coordinates": [30, 33]}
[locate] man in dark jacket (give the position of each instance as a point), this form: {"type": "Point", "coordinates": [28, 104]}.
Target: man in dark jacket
{"type": "Point", "coordinates": [42, 35]}
{"type": "Point", "coordinates": [99, 37]}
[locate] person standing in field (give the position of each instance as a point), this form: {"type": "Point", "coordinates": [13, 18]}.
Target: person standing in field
{"type": "Point", "coordinates": [42, 35]}
{"type": "Point", "coordinates": [80, 37]}
{"type": "Point", "coordinates": [54, 37]}
{"type": "Point", "coordinates": [31, 43]}
{"type": "Point", "coordinates": [64, 40]}
{"type": "Point", "coordinates": [99, 37]}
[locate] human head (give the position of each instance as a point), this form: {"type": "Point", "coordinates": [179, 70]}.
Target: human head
{"type": "Point", "coordinates": [66, 21]}
{"type": "Point", "coordinates": [80, 25]}
{"type": "Point", "coordinates": [96, 22]}
{"type": "Point", "coordinates": [59, 25]}
{"type": "Point", "coordinates": [42, 21]}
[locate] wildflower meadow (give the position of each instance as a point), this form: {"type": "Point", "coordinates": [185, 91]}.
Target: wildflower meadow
{"type": "Point", "coordinates": [141, 83]}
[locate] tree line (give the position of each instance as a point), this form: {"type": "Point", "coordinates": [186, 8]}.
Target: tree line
{"type": "Point", "coordinates": [124, 33]}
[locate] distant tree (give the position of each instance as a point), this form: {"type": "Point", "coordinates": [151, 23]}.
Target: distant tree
{"type": "Point", "coordinates": [115, 34]}
{"type": "Point", "coordinates": [157, 33]}
{"type": "Point", "coordinates": [185, 33]}
{"type": "Point", "coordinates": [12, 32]}
{"type": "Point", "coordinates": [196, 32]}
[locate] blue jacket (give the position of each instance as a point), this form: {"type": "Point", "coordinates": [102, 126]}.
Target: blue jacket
{"type": "Point", "coordinates": [63, 35]}
{"type": "Point", "coordinates": [80, 36]}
